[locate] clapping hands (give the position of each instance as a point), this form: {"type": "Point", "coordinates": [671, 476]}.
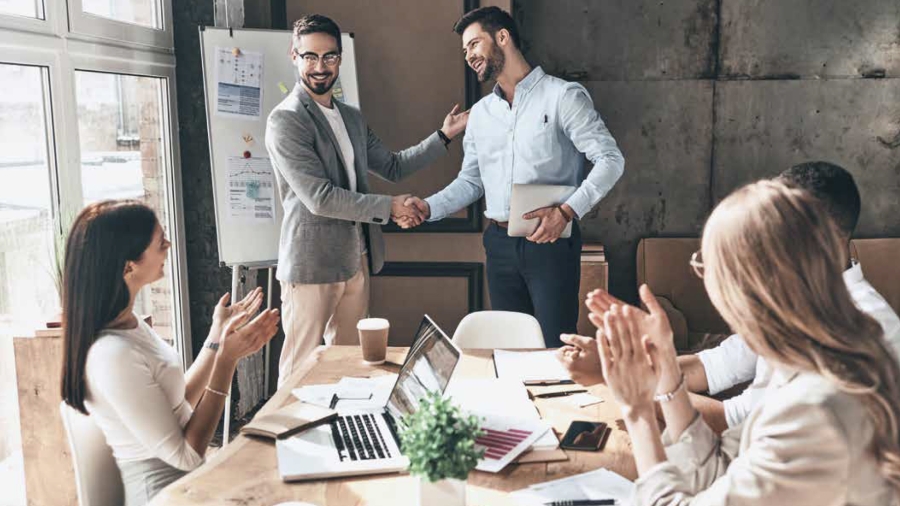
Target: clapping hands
{"type": "Point", "coordinates": [637, 353]}
{"type": "Point", "coordinates": [250, 304]}
{"type": "Point", "coordinates": [633, 351]}
{"type": "Point", "coordinates": [241, 339]}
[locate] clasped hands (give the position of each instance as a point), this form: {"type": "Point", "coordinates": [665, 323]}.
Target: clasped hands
{"type": "Point", "coordinates": [408, 211]}
{"type": "Point", "coordinates": [633, 353]}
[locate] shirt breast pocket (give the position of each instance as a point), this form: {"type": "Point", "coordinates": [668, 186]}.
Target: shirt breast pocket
{"type": "Point", "coordinates": [538, 145]}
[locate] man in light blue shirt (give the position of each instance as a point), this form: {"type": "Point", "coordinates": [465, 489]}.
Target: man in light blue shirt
{"type": "Point", "coordinates": [532, 129]}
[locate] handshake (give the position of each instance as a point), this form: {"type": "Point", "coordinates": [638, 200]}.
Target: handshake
{"type": "Point", "coordinates": [408, 211]}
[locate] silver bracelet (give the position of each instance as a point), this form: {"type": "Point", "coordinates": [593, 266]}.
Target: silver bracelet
{"type": "Point", "coordinates": [668, 396]}
{"type": "Point", "coordinates": [217, 392]}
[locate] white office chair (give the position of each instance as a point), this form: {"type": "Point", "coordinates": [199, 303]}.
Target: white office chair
{"type": "Point", "coordinates": [97, 478]}
{"type": "Point", "coordinates": [499, 329]}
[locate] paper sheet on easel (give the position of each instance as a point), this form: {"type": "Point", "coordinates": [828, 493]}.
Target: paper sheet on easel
{"type": "Point", "coordinates": [239, 80]}
{"type": "Point", "coordinates": [251, 189]}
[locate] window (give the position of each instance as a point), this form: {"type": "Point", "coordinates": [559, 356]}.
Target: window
{"type": "Point", "coordinates": [87, 112]}
{"type": "Point", "coordinates": [122, 144]}
{"type": "Point", "coordinates": [24, 8]}
{"type": "Point", "coordinates": [82, 122]}
{"type": "Point", "coordinates": [137, 12]}
{"type": "Point", "coordinates": [141, 23]}
{"type": "Point", "coordinates": [28, 265]}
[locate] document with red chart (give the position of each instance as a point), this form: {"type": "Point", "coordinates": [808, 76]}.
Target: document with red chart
{"type": "Point", "coordinates": [504, 439]}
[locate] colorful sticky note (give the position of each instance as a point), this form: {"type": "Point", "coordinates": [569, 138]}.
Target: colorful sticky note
{"type": "Point", "coordinates": [282, 87]}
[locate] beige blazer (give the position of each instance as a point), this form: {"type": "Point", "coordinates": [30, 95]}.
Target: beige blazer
{"type": "Point", "coordinates": [806, 444]}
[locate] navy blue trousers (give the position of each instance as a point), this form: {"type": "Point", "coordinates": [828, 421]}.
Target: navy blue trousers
{"type": "Point", "coordinates": [537, 279]}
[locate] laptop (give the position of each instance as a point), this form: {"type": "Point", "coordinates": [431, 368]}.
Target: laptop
{"type": "Point", "coordinates": [528, 197]}
{"type": "Point", "coordinates": [360, 442]}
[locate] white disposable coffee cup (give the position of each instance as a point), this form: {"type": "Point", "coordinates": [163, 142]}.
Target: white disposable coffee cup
{"type": "Point", "coordinates": [373, 339]}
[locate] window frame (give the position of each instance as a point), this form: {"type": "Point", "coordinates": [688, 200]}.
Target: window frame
{"type": "Point", "coordinates": [55, 48]}
{"type": "Point", "coordinates": [51, 23]}
{"type": "Point", "coordinates": [94, 27]}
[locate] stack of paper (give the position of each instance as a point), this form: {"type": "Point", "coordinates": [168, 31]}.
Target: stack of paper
{"type": "Point", "coordinates": [599, 484]}
{"type": "Point", "coordinates": [529, 366]}
{"type": "Point", "coordinates": [350, 393]}
{"type": "Point", "coordinates": [504, 439]}
{"type": "Point", "coordinates": [497, 398]}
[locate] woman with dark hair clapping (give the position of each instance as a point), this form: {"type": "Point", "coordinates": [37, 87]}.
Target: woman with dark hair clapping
{"type": "Point", "coordinates": [157, 419]}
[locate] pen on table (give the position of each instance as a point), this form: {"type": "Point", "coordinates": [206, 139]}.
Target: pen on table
{"type": "Point", "coordinates": [582, 502]}
{"type": "Point", "coordinates": [559, 394]}
{"type": "Point", "coordinates": [546, 383]}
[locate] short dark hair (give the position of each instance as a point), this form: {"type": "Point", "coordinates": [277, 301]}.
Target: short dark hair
{"type": "Point", "coordinates": [103, 238]}
{"type": "Point", "coordinates": [833, 185]}
{"type": "Point", "coordinates": [492, 20]}
{"type": "Point", "coordinates": [317, 23]}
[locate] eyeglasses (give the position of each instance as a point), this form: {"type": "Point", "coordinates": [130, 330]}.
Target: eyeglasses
{"type": "Point", "coordinates": [312, 59]}
{"type": "Point", "coordinates": [697, 264]}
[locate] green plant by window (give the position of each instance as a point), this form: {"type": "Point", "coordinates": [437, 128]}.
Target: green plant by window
{"type": "Point", "coordinates": [439, 440]}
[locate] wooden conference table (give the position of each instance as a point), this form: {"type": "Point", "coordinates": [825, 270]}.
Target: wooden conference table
{"type": "Point", "coordinates": [246, 471]}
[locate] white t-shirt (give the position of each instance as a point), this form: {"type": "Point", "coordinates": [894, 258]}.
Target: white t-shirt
{"type": "Point", "coordinates": [136, 396]}
{"type": "Point", "coordinates": [728, 364]}
{"type": "Point", "coordinates": [336, 121]}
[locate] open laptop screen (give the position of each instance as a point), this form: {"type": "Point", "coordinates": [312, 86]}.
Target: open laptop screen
{"type": "Point", "coordinates": [427, 367]}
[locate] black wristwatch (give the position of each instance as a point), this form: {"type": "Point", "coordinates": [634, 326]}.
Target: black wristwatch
{"type": "Point", "coordinates": [444, 137]}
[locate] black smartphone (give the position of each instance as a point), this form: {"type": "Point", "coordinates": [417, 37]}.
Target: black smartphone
{"type": "Point", "coordinates": [587, 436]}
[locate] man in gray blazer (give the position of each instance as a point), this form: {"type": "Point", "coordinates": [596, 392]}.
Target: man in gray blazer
{"type": "Point", "coordinates": [321, 150]}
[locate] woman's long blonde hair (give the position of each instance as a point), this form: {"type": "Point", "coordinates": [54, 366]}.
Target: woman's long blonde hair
{"type": "Point", "coordinates": [773, 263]}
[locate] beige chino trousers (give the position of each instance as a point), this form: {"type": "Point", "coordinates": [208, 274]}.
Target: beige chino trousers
{"type": "Point", "coordinates": [313, 313]}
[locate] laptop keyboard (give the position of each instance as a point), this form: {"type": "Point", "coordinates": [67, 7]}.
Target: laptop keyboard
{"type": "Point", "coordinates": [359, 438]}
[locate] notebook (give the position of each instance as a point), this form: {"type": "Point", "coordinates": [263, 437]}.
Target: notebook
{"type": "Point", "coordinates": [289, 420]}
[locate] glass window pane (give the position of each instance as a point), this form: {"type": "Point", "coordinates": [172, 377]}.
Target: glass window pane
{"type": "Point", "coordinates": [27, 8]}
{"type": "Point", "coordinates": [123, 144]}
{"type": "Point", "coordinates": [28, 289]}
{"type": "Point", "coordinates": [137, 12]}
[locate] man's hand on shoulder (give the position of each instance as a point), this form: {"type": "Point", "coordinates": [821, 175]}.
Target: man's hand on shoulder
{"type": "Point", "coordinates": [408, 211]}
{"type": "Point", "coordinates": [455, 122]}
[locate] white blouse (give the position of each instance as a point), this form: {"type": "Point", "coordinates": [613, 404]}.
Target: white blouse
{"type": "Point", "coordinates": [136, 395]}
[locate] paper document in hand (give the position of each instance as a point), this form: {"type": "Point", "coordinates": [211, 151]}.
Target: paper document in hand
{"type": "Point", "coordinates": [504, 439]}
{"type": "Point", "coordinates": [598, 484]}
{"type": "Point", "coordinates": [529, 366]}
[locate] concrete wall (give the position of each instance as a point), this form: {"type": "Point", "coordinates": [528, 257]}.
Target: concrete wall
{"type": "Point", "coordinates": [702, 96]}
{"type": "Point", "coordinates": [706, 95]}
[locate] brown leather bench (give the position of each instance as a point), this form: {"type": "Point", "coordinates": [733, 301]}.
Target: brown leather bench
{"type": "Point", "coordinates": [662, 263]}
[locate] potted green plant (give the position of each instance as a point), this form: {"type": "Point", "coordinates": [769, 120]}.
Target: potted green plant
{"type": "Point", "coordinates": [439, 441]}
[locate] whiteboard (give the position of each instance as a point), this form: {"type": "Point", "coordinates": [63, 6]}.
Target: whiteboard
{"type": "Point", "coordinates": [246, 236]}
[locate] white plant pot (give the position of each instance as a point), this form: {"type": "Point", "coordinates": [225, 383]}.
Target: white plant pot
{"type": "Point", "coordinates": [446, 492]}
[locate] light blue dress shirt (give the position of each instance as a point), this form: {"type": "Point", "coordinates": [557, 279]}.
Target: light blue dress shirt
{"type": "Point", "coordinates": [542, 139]}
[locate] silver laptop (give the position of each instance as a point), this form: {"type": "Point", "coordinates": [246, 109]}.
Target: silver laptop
{"type": "Point", "coordinates": [528, 197]}
{"type": "Point", "coordinates": [363, 442]}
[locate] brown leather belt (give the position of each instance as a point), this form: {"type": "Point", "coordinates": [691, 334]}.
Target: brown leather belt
{"type": "Point", "coordinates": [501, 224]}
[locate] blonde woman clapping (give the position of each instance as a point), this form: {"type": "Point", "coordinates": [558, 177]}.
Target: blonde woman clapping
{"type": "Point", "coordinates": [826, 432]}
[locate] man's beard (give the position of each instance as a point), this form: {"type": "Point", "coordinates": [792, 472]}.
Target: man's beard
{"type": "Point", "coordinates": [319, 88]}
{"type": "Point", "coordinates": [493, 65]}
